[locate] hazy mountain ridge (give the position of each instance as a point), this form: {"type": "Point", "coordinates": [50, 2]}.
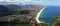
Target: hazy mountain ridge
{"type": "Point", "coordinates": [18, 7]}
{"type": "Point", "coordinates": [12, 8]}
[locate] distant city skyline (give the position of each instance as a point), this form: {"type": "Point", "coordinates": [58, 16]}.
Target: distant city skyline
{"type": "Point", "coordinates": [38, 2]}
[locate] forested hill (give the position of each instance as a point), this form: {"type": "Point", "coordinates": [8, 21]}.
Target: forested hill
{"type": "Point", "coordinates": [12, 9]}
{"type": "Point", "coordinates": [3, 10]}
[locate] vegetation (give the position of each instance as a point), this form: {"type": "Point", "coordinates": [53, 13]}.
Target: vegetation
{"type": "Point", "coordinates": [14, 10]}
{"type": "Point", "coordinates": [21, 24]}
{"type": "Point", "coordinates": [57, 21]}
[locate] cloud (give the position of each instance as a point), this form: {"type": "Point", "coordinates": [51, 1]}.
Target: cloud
{"type": "Point", "coordinates": [21, 1]}
{"type": "Point", "coordinates": [37, 2]}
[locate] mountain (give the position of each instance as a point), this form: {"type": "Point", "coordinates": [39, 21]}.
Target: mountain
{"type": "Point", "coordinates": [13, 7]}
{"type": "Point", "coordinates": [19, 7]}
{"type": "Point", "coordinates": [3, 10]}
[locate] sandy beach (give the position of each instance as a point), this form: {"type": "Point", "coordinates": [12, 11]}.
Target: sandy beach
{"type": "Point", "coordinates": [38, 15]}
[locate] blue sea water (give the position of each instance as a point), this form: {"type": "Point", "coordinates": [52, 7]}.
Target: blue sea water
{"type": "Point", "coordinates": [49, 14]}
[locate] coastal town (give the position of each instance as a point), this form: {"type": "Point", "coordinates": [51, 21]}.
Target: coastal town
{"type": "Point", "coordinates": [26, 15]}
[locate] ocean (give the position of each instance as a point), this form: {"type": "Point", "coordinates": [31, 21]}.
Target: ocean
{"type": "Point", "coordinates": [49, 14]}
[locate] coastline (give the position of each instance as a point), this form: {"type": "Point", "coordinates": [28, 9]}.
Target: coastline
{"type": "Point", "coordinates": [38, 15]}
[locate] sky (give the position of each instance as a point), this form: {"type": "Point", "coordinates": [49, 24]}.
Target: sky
{"type": "Point", "coordinates": [37, 2]}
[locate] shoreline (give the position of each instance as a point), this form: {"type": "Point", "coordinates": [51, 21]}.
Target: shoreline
{"type": "Point", "coordinates": [38, 15]}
